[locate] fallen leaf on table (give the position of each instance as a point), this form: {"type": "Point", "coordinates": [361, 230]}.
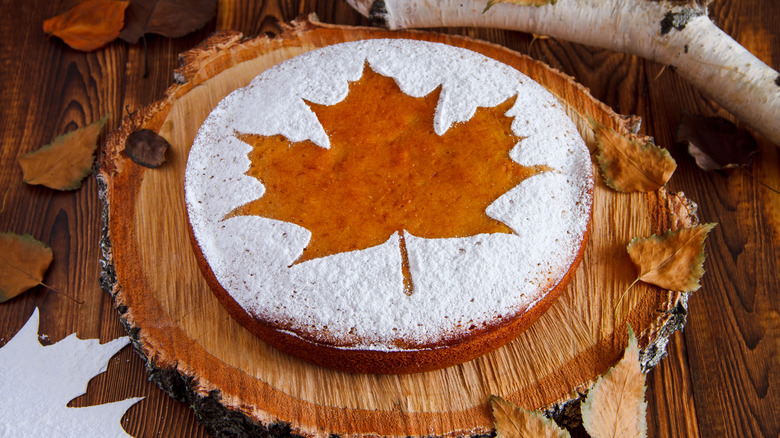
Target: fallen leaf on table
{"type": "Point", "coordinates": [89, 25]}
{"type": "Point", "coordinates": [673, 260]}
{"type": "Point", "coordinates": [515, 422]}
{"type": "Point", "coordinates": [170, 18]}
{"type": "Point", "coordinates": [630, 165]}
{"type": "Point", "coordinates": [37, 383]}
{"type": "Point", "coordinates": [716, 143]}
{"type": "Point", "coordinates": [146, 147]}
{"type": "Point", "coordinates": [66, 161]}
{"type": "Point", "coordinates": [23, 261]}
{"type": "Point", "coordinates": [615, 406]}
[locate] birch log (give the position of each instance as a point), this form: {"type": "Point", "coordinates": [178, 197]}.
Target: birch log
{"type": "Point", "coordinates": [669, 33]}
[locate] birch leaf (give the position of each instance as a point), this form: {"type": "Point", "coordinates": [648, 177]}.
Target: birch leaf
{"type": "Point", "coordinates": [515, 422]}
{"type": "Point", "coordinates": [66, 161]}
{"type": "Point", "coordinates": [23, 261]}
{"type": "Point", "coordinates": [615, 406]}
{"type": "Point", "coordinates": [89, 25]}
{"type": "Point", "coordinates": [147, 148]}
{"type": "Point", "coordinates": [629, 165]}
{"type": "Point", "coordinates": [673, 260]}
{"type": "Point", "coordinates": [37, 383]}
{"type": "Point", "coordinates": [716, 143]}
{"type": "Point", "coordinates": [170, 18]}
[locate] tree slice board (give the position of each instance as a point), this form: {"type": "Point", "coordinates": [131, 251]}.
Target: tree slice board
{"type": "Point", "coordinates": [240, 386]}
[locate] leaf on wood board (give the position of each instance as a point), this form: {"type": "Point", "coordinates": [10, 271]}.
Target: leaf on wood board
{"type": "Point", "coordinates": [715, 142]}
{"type": "Point", "coordinates": [512, 421]}
{"type": "Point", "coordinates": [170, 18]}
{"type": "Point", "coordinates": [630, 165]}
{"type": "Point", "coordinates": [673, 260]}
{"type": "Point", "coordinates": [66, 161]}
{"type": "Point", "coordinates": [147, 148]}
{"type": "Point", "coordinates": [37, 383]}
{"type": "Point", "coordinates": [89, 25]}
{"type": "Point", "coordinates": [23, 261]}
{"type": "Point", "coordinates": [492, 3]}
{"type": "Point", "coordinates": [615, 406]}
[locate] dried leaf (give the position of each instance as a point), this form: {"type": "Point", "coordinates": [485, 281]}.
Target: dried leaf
{"type": "Point", "coordinates": [615, 406]}
{"type": "Point", "coordinates": [170, 18]}
{"type": "Point", "coordinates": [515, 422]}
{"type": "Point", "coordinates": [66, 161]}
{"type": "Point", "coordinates": [23, 261]}
{"type": "Point", "coordinates": [672, 261]}
{"type": "Point", "coordinates": [492, 3]}
{"type": "Point", "coordinates": [715, 142]}
{"type": "Point", "coordinates": [146, 147]}
{"type": "Point", "coordinates": [89, 25]}
{"type": "Point", "coordinates": [629, 165]}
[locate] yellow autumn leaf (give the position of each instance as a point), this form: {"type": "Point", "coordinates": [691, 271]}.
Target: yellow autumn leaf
{"type": "Point", "coordinates": [67, 160]}
{"type": "Point", "coordinates": [23, 261]}
{"type": "Point", "coordinates": [673, 260]}
{"type": "Point", "coordinates": [615, 407]}
{"type": "Point", "coordinates": [515, 422]}
{"type": "Point", "coordinates": [89, 25]}
{"type": "Point", "coordinates": [630, 165]}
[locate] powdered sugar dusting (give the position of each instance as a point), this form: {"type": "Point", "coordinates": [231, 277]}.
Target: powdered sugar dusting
{"type": "Point", "coordinates": [357, 297]}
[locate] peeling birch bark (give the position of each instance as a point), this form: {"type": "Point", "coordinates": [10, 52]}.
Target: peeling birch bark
{"type": "Point", "coordinates": [677, 35]}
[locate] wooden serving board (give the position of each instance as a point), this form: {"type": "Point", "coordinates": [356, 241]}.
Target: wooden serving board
{"type": "Point", "coordinates": [240, 386]}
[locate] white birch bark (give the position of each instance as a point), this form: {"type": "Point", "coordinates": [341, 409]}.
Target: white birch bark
{"type": "Point", "coordinates": [679, 36]}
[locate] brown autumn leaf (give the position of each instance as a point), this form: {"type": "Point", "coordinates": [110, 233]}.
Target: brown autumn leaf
{"type": "Point", "coordinates": [615, 407]}
{"type": "Point", "coordinates": [170, 18]}
{"type": "Point", "coordinates": [515, 422]}
{"type": "Point", "coordinates": [146, 147]}
{"type": "Point", "coordinates": [631, 165]}
{"type": "Point", "coordinates": [715, 142]}
{"type": "Point", "coordinates": [23, 261]}
{"type": "Point", "coordinates": [673, 260]}
{"type": "Point", "coordinates": [373, 180]}
{"type": "Point", "coordinates": [89, 25]}
{"type": "Point", "coordinates": [66, 161]}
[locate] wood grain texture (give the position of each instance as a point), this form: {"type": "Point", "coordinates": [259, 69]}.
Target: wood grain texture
{"type": "Point", "coordinates": [721, 376]}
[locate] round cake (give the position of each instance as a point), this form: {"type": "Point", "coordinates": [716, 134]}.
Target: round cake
{"type": "Point", "coordinates": [388, 206]}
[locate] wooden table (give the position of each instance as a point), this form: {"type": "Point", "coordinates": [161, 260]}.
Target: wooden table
{"type": "Point", "coordinates": [722, 376]}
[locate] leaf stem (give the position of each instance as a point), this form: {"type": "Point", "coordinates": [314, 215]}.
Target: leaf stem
{"type": "Point", "coordinates": [7, 191]}
{"type": "Point", "coordinates": [620, 300]}
{"type": "Point", "coordinates": [61, 293]}
{"type": "Point", "coordinates": [749, 173]}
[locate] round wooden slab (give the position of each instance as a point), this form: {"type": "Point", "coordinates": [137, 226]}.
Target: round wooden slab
{"type": "Point", "coordinates": [239, 385]}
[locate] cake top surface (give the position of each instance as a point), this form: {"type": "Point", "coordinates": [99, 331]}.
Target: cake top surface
{"type": "Point", "coordinates": [358, 299]}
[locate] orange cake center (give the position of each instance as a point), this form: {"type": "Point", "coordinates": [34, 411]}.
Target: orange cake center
{"type": "Point", "coordinates": [386, 171]}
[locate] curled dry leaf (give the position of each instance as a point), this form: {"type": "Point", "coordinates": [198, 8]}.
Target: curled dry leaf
{"type": "Point", "coordinates": [23, 261]}
{"type": "Point", "coordinates": [170, 18]}
{"type": "Point", "coordinates": [615, 406]}
{"type": "Point", "coordinates": [66, 161]}
{"type": "Point", "coordinates": [146, 147]}
{"type": "Point", "coordinates": [89, 25]}
{"type": "Point", "coordinates": [629, 164]}
{"type": "Point", "coordinates": [673, 260]}
{"type": "Point", "coordinates": [515, 422]}
{"type": "Point", "coordinates": [715, 142]}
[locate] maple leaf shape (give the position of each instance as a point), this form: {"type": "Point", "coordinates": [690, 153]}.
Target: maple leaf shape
{"type": "Point", "coordinates": [66, 161]}
{"type": "Point", "coordinates": [386, 172]}
{"type": "Point", "coordinates": [629, 165]}
{"type": "Point", "coordinates": [672, 261]}
{"type": "Point", "coordinates": [515, 422]}
{"type": "Point", "coordinates": [615, 407]}
{"type": "Point", "coordinates": [23, 261]}
{"type": "Point", "coordinates": [89, 25]}
{"type": "Point", "coordinates": [37, 383]}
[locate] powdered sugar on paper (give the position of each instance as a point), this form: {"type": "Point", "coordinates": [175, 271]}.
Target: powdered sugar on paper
{"type": "Point", "coordinates": [358, 297]}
